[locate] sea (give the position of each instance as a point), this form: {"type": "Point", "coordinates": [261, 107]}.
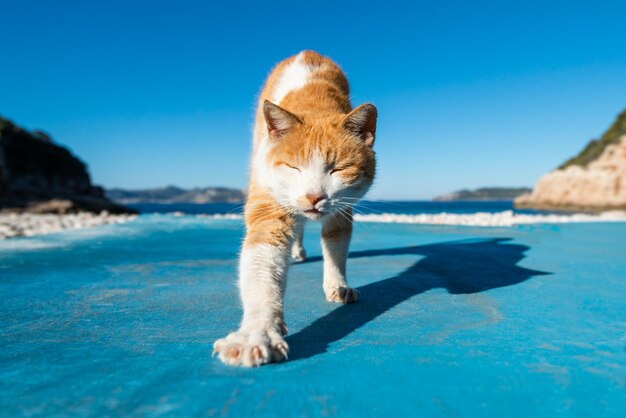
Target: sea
{"type": "Point", "coordinates": [365, 207]}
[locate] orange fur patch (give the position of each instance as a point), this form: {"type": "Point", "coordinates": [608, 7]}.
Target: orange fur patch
{"type": "Point", "coordinates": [266, 221]}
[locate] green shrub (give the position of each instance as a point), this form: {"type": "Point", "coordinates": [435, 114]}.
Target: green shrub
{"type": "Point", "coordinates": [594, 148]}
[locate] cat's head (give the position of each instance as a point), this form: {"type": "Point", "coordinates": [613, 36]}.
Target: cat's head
{"type": "Point", "coordinates": [317, 165]}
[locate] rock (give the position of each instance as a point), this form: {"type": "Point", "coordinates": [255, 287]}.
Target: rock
{"type": "Point", "coordinates": [30, 224]}
{"type": "Point", "coordinates": [594, 180]}
{"type": "Point", "coordinates": [40, 176]}
{"type": "Point", "coordinates": [78, 204]}
{"type": "Point", "coordinates": [601, 185]}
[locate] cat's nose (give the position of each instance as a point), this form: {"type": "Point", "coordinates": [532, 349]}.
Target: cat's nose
{"type": "Point", "coordinates": [315, 198]}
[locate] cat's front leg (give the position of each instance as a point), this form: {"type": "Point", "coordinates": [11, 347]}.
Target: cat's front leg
{"type": "Point", "coordinates": [336, 234]}
{"type": "Point", "coordinates": [262, 280]}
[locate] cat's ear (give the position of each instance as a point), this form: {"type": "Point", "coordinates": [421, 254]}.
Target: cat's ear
{"type": "Point", "coordinates": [278, 120]}
{"type": "Point", "coordinates": [362, 121]}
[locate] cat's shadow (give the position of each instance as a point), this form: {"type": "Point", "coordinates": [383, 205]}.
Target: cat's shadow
{"type": "Point", "coordinates": [461, 267]}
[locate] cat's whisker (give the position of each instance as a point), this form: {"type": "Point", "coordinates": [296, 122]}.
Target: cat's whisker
{"type": "Point", "coordinates": [344, 215]}
{"type": "Point", "coordinates": [347, 198]}
{"type": "Point", "coordinates": [360, 225]}
{"type": "Point", "coordinates": [360, 210]}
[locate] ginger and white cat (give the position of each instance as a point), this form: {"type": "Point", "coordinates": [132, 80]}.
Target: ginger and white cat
{"type": "Point", "coordinates": [312, 159]}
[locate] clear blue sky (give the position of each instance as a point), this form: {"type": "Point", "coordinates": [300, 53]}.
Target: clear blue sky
{"type": "Point", "coordinates": [469, 93]}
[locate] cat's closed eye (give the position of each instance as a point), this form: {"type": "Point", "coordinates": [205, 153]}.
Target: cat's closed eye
{"type": "Point", "coordinates": [287, 165]}
{"type": "Point", "coordinates": [337, 169]}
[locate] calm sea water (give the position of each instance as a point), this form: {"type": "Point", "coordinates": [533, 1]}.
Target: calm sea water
{"type": "Point", "coordinates": [365, 207]}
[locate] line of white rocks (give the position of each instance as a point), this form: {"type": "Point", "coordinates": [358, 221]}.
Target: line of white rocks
{"type": "Point", "coordinates": [504, 218]}
{"type": "Point", "coordinates": [28, 224]}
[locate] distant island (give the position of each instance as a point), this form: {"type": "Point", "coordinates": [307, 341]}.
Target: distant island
{"type": "Point", "coordinates": [595, 179]}
{"type": "Point", "coordinates": [173, 194]}
{"type": "Point", "coordinates": [484, 193]}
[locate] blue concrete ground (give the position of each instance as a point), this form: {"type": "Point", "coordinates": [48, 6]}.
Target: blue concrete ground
{"type": "Point", "coordinates": [453, 322]}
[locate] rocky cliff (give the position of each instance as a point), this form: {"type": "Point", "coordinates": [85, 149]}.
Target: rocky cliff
{"type": "Point", "coordinates": [593, 180]}
{"type": "Point", "coordinates": [37, 175]}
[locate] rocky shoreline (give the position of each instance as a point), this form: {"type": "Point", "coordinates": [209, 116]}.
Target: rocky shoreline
{"type": "Point", "coordinates": [29, 224]}
{"type": "Point", "coordinates": [594, 180]}
{"type": "Point", "coordinates": [601, 185]}
{"type": "Point", "coordinates": [505, 218]}
{"type": "Point", "coordinates": [38, 175]}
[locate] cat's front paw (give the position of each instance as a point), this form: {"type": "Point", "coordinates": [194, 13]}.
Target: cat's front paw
{"type": "Point", "coordinates": [298, 254]}
{"type": "Point", "coordinates": [342, 295]}
{"type": "Point", "coordinates": [251, 348]}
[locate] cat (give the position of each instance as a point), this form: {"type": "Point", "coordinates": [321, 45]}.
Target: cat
{"type": "Point", "coordinates": [312, 159]}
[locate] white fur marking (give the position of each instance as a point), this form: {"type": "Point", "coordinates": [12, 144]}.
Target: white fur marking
{"type": "Point", "coordinates": [294, 77]}
{"type": "Point", "coordinates": [262, 273]}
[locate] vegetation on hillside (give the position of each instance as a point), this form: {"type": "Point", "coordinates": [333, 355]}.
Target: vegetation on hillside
{"type": "Point", "coordinates": [595, 148]}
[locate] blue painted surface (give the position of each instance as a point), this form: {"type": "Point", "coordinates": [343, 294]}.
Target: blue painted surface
{"type": "Point", "coordinates": [453, 321]}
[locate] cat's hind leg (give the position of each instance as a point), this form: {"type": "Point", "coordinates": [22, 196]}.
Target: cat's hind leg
{"type": "Point", "coordinates": [336, 234]}
{"type": "Point", "coordinates": [298, 253]}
